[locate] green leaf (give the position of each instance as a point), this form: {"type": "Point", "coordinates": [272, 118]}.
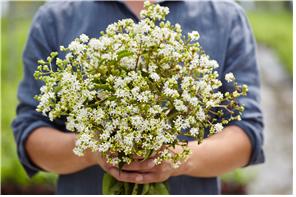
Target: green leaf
{"type": "Point", "coordinates": [117, 188]}
{"type": "Point", "coordinates": [107, 182]}
{"type": "Point", "coordinates": [41, 62]}
{"type": "Point", "coordinates": [151, 190]}
{"type": "Point", "coordinates": [110, 185]}
{"type": "Point", "coordinates": [124, 53]}
{"type": "Point", "coordinates": [146, 188]}
{"type": "Point", "coordinates": [103, 86]}
{"type": "Point", "coordinates": [135, 189]}
{"type": "Point", "coordinates": [57, 89]}
{"type": "Point", "coordinates": [149, 153]}
{"type": "Point", "coordinates": [53, 54]}
{"type": "Point", "coordinates": [161, 189]}
{"type": "Point", "coordinates": [126, 187]}
{"type": "Point", "coordinates": [140, 189]}
{"type": "Point", "coordinates": [200, 136]}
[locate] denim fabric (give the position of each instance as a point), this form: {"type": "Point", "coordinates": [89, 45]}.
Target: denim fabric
{"type": "Point", "coordinates": [225, 35]}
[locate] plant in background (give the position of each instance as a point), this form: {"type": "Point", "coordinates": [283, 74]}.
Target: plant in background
{"type": "Point", "coordinates": [134, 91]}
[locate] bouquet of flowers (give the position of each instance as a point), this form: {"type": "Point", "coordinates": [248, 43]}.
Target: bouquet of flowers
{"type": "Point", "coordinates": [134, 91]}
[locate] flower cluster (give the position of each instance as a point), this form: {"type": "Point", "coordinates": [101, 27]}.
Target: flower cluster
{"type": "Point", "coordinates": [136, 89]}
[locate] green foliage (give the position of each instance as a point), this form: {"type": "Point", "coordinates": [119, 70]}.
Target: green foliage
{"type": "Point", "coordinates": [14, 36]}
{"type": "Point", "coordinates": [275, 30]}
{"type": "Point", "coordinates": [239, 176]}
{"type": "Point", "coordinates": [113, 187]}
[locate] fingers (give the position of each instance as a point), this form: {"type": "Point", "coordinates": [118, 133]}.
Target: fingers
{"type": "Point", "coordinates": [131, 177]}
{"type": "Point", "coordinates": [136, 177]}
{"type": "Point", "coordinates": [162, 168]}
{"type": "Point", "coordinates": [104, 164]}
{"type": "Point", "coordinates": [142, 166]}
{"type": "Point", "coordinates": [159, 174]}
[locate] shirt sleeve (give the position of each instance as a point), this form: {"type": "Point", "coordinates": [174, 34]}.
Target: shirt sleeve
{"type": "Point", "coordinates": [38, 46]}
{"type": "Point", "coordinates": [241, 60]}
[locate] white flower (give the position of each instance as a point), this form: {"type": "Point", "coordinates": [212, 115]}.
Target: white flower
{"type": "Point", "coordinates": [114, 161]}
{"type": "Point", "coordinates": [201, 115]}
{"type": "Point", "coordinates": [179, 105]}
{"type": "Point", "coordinates": [165, 66]}
{"type": "Point", "coordinates": [195, 62]}
{"type": "Point", "coordinates": [141, 27]}
{"type": "Point", "coordinates": [136, 120]}
{"type": "Point", "coordinates": [68, 77]}
{"type": "Point", "coordinates": [70, 125]}
{"type": "Point", "coordinates": [128, 62]}
{"type": "Point", "coordinates": [155, 109]}
{"type": "Point", "coordinates": [218, 127]}
{"type": "Point", "coordinates": [106, 41]}
{"type": "Point", "coordinates": [84, 38]}
{"type": "Point", "coordinates": [78, 150]}
{"type": "Point", "coordinates": [43, 88]}
{"type": "Point", "coordinates": [82, 114]}
{"type": "Point", "coordinates": [213, 64]}
{"type": "Point", "coordinates": [229, 77]}
{"type": "Point", "coordinates": [194, 131]}
{"type": "Point", "coordinates": [107, 56]}
{"type": "Point", "coordinates": [155, 76]}
{"type": "Point", "coordinates": [193, 36]}
{"type": "Point", "coordinates": [166, 49]}
{"type": "Point", "coordinates": [76, 46]}
{"type": "Point", "coordinates": [96, 44]}
{"type": "Point", "coordinates": [144, 96]}
{"type": "Point", "coordinates": [134, 89]}
{"type": "Point", "coordinates": [205, 61]}
{"type": "Point", "coordinates": [152, 68]}
{"type": "Point", "coordinates": [104, 147]}
{"type": "Point", "coordinates": [128, 139]}
{"type": "Point", "coordinates": [180, 123]}
{"type": "Point", "coordinates": [69, 56]}
{"type": "Point", "coordinates": [98, 114]}
{"type": "Point", "coordinates": [218, 95]}
{"type": "Point", "coordinates": [119, 83]}
{"type": "Point", "coordinates": [178, 27]}
{"type": "Point", "coordinates": [168, 91]}
{"type": "Point", "coordinates": [210, 103]}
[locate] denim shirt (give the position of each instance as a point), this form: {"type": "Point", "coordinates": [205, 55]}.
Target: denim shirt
{"type": "Point", "coordinates": [225, 35]}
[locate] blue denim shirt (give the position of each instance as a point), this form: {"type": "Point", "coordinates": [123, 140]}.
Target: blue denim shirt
{"type": "Point", "coordinates": [225, 35]}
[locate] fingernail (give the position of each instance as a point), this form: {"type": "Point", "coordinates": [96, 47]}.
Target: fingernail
{"type": "Point", "coordinates": [139, 178]}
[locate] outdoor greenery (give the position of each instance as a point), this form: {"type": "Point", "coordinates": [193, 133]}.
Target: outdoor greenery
{"type": "Point", "coordinates": [275, 30]}
{"type": "Point", "coordinates": [13, 41]}
{"type": "Point", "coordinates": [271, 29]}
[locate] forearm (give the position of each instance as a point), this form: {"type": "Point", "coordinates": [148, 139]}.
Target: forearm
{"type": "Point", "coordinates": [52, 150]}
{"type": "Point", "coordinates": [218, 154]}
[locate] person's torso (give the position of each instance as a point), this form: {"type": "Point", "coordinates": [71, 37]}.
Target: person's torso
{"type": "Point", "coordinates": [212, 21]}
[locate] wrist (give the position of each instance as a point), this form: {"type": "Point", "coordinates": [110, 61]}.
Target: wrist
{"type": "Point", "coordinates": [190, 164]}
{"type": "Point", "coordinates": [186, 165]}
{"type": "Point", "coordinates": [90, 157]}
{"type": "Point", "coordinates": [184, 168]}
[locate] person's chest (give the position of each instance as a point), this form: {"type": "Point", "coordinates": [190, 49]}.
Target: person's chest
{"type": "Point", "coordinates": [91, 18]}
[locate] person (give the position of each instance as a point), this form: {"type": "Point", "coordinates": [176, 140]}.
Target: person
{"type": "Point", "coordinates": [225, 35]}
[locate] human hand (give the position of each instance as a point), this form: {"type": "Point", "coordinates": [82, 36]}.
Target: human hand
{"type": "Point", "coordinates": [142, 172]}
{"type": "Point", "coordinates": [96, 158]}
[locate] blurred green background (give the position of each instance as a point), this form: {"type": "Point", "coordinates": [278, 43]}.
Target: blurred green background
{"type": "Point", "coordinates": [270, 21]}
